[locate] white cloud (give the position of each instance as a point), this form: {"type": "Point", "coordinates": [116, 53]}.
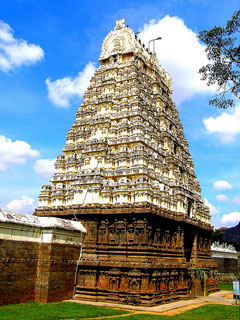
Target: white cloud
{"type": "Point", "coordinates": [62, 90]}
{"type": "Point", "coordinates": [236, 200]}
{"type": "Point", "coordinates": [16, 52]}
{"type": "Point", "coordinates": [221, 197]}
{"type": "Point", "coordinates": [15, 152]}
{"type": "Point", "coordinates": [44, 167]}
{"type": "Point", "coordinates": [180, 53]}
{"type": "Point", "coordinates": [23, 205]}
{"type": "Point", "coordinates": [226, 126]}
{"type": "Point", "coordinates": [231, 219]}
{"type": "Point", "coordinates": [213, 210]}
{"type": "Point", "coordinates": [221, 185]}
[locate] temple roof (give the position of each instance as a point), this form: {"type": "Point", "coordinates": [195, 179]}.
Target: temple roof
{"type": "Point", "coordinates": [122, 39]}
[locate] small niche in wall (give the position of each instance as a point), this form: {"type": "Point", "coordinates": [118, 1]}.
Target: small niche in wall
{"type": "Point", "coordinates": [175, 148]}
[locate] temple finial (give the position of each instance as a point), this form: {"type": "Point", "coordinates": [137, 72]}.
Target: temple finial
{"type": "Point", "coordinates": [120, 24]}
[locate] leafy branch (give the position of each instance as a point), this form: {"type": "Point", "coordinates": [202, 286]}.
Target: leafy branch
{"type": "Point", "coordinates": [223, 53]}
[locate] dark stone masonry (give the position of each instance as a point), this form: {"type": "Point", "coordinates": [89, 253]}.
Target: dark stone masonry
{"type": "Point", "coordinates": [141, 255]}
{"type": "Point", "coordinates": [38, 258]}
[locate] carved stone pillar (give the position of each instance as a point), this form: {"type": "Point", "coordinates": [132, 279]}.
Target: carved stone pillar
{"type": "Point", "coordinates": [145, 282]}
{"type": "Point", "coordinates": [124, 282]}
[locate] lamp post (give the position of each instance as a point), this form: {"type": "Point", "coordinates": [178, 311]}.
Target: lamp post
{"type": "Point", "coordinates": [153, 40]}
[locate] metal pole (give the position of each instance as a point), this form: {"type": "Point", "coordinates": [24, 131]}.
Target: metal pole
{"type": "Point", "coordinates": [153, 40]}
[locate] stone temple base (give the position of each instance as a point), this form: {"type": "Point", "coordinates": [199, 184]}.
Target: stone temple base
{"type": "Point", "coordinates": [134, 286]}
{"type": "Point", "coordinates": [141, 255]}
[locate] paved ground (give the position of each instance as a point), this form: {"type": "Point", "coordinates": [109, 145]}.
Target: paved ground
{"type": "Point", "coordinates": [170, 309]}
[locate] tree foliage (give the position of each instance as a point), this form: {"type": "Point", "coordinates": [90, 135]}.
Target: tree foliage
{"type": "Point", "coordinates": [217, 235]}
{"type": "Point", "coordinates": [223, 69]}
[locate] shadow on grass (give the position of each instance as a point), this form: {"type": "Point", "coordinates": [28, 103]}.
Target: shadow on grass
{"type": "Point", "coordinates": [54, 311]}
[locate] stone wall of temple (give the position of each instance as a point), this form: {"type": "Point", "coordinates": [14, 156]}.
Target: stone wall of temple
{"type": "Point", "coordinates": [38, 258]}
{"type": "Point", "coordinates": [226, 257]}
{"type": "Point", "coordinates": [227, 265]}
{"type": "Point", "coordinates": [144, 259]}
{"type": "Point", "coordinates": [142, 255]}
{"type": "Point", "coordinates": [18, 271]}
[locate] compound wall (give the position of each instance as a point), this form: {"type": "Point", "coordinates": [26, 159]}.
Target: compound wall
{"type": "Point", "coordinates": [37, 262]}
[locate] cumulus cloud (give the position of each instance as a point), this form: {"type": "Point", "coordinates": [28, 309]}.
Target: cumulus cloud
{"type": "Point", "coordinates": [221, 185]}
{"type": "Point", "coordinates": [231, 219]}
{"type": "Point", "coordinates": [226, 126]}
{"type": "Point", "coordinates": [16, 52]}
{"type": "Point", "coordinates": [213, 210]}
{"type": "Point", "coordinates": [180, 53]}
{"type": "Point", "coordinates": [15, 152]}
{"type": "Point", "coordinates": [221, 197]}
{"type": "Point", "coordinates": [44, 167]}
{"type": "Point", "coordinates": [62, 90]}
{"type": "Point", "coordinates": [23, 205]}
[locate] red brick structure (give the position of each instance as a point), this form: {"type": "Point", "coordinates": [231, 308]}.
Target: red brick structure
{"type": "Point", "coordinates": [38, 258]}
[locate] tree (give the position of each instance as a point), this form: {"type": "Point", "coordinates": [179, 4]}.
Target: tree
{"type": "Point", "coordinates": [223, 69]}
{"type": "Point", "coordinates": [217, 235]}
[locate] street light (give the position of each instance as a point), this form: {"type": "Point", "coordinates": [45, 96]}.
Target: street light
{"type": "Point", "coordinates": [153, 40]}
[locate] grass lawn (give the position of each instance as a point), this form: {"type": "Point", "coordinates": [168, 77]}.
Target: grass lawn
{"type": "Point", "coordinates": [54, 311]}
{"type": "Point", "coordinates": [225, 286]}
{"type": "Point", "coordinates": [208, 312]}
{"type": "Point", "coordinates": [64, 310]}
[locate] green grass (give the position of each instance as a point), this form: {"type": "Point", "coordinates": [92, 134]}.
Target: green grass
{"type": "Point", "coordinates": [54, 311]}
{"type": "Point", "coordinates": [225, 286]}
{"type": "Point", "coordinates": [208, 312]}
{"type": "Point", "coordinates": [65, 310]}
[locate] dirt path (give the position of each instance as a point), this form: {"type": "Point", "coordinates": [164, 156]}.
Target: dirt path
{"type": "Point", "coordinates": [190, 307]}
{"type": "Point", "coordinates": [174, 311]}
{"type": "Point", "coordinates": [115, 316]}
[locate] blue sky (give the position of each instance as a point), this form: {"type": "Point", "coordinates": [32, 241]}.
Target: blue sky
{"type": "Point", "coordinates": [48, 51]}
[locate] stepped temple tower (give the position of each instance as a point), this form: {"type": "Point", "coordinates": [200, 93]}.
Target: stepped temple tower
{"type": "Point", "coordinates": [126, 173]}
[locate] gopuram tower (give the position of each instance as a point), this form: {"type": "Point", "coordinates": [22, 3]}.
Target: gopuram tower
{"type": "Point", "coordinates": [126, 173]}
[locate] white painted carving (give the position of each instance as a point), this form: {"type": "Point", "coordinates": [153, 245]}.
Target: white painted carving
{"type": "Point", "coordinates": [127, 144]}
{"type": "Point", "coordinates": [120, 24]}
{"type": "Point", "coordinates": [223, 247]}
{"type": "Point", "coordinates": [7, 216]}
